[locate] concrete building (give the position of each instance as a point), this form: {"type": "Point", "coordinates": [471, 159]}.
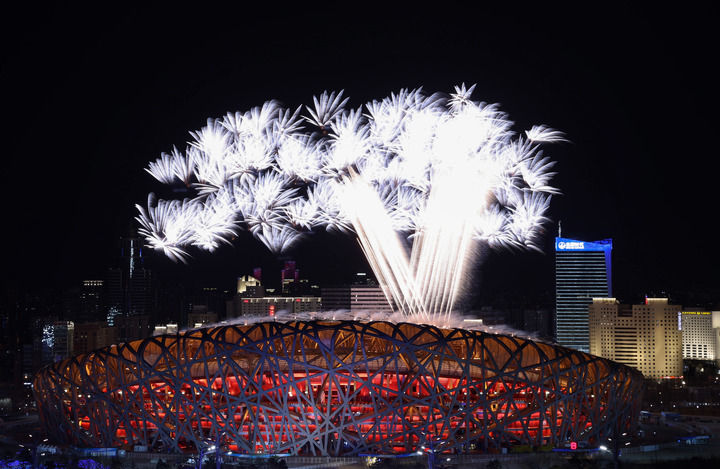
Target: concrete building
{"type": "Point", "coordinates": [252, 299]}
{"type": "Point", "coordinates": [61, 339]}
{"type": "Point", "coordinates": [200, 316]}
{"type": "Point", "coordinates": [645, 336]}
{"type": "Point", "coordinates": [247, 285]}
{"type": "Point", "coordinates": [170, 328]}
{"type": "Point", "coordinates": [535, 321]}
{"type": "Point", "coordinates": [91, 336]}
{"type": "Point", "coordinates": [129, 287]}
{"type": "Point", "coordinates": [91, 301]}
{"type": "Point", "coordinates": [583, 271]}
{"type": "Point", "coordinates": [271, 305]}
{"type": "Point", "coordinates": [289, 278]}
{"type": "Point", "coordinates": [715, 321]}
{"type": "Point", "coordinates": [698, 337]}
{"type": "Point", "coordinates": [355, 298]}
{"type": "Point", "coordinates": [716, 333]}
{"type": "Point", "coordinates": [134, 327]}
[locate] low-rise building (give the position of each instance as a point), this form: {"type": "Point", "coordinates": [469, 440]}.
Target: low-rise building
{"type": "Point", "coordinates": [698, 339]}
{"type": "Point", "coordinates": [91, 336]}
{"type": "Point", "coordinates": [355, 298]}
{"type": "Point", "coordinates": [271, 305]}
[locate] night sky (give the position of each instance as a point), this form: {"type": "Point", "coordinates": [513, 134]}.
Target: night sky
{"type": "Point", "coordinates": [89, 97]}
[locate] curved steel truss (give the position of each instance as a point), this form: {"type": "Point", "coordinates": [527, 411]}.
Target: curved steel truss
{"type": "Point", "coordinates": [335, 387]}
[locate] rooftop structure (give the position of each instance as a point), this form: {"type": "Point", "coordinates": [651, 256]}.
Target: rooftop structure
{"type": "Point", "coordinates": [335, 387]}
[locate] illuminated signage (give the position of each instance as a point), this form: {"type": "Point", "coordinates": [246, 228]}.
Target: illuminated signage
{"type": "Point", "coordinates": [571, 245]}
{"type": "Point", "coordinates": [566, 244]}
{"type": "Point", "coordinates": [698, 313]}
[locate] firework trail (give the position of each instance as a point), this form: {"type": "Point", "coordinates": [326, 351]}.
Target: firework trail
{"type": "Point", "coordinates": [422, 180]}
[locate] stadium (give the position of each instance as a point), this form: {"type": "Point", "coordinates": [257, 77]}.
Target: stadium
{"type": "Point", "coordinates": [322, 387]}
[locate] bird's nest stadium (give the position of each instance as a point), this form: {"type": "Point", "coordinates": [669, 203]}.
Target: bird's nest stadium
{"type": "Point", "coordinates": [335, 387]}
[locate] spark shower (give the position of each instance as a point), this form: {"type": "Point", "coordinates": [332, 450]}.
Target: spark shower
{"type": "Point", "coordinates": [424, 181]}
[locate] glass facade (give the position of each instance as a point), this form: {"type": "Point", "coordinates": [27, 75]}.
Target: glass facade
{"type": "Point", "coordinates": [582, 272]}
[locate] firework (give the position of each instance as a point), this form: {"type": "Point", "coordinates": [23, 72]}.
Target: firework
{"type": "Point", "coordinates": [422, 180]}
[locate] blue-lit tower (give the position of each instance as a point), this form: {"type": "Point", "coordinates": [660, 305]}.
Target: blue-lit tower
{"type": "Point", "coordinates": [583, 271]}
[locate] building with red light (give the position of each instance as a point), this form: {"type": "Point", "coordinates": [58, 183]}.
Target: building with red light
{"type": "Point", "coordinates": [335, 387]}
{"type": "Point", "coordinates": [289, 277]}
{"type": "Point", "coordinates": [270, 305]}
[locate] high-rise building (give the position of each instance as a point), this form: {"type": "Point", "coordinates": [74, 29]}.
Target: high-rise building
{"type": "Point", "coordinates": [646, 336]}
{"type": "Point", "coordinates": [289, 277]}
{"type": "Point", "coordinates": [62, 339]}
{"type": "Point", "coordinates": [583, 271]}
{"type": "Point", "coordinates": [129, 287]}
{"type": "Point", "coordinates": [206, 299]}
{"type": "Point", "coordinates": [91, 301]}
{"type": "Point", "coordinates": [257, 273]}
{"type": "Point", "coordinates": [698, 338]}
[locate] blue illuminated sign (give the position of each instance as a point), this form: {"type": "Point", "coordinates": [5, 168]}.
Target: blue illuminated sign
{"type": "Point", "coordinates": [603, 245]}
{"type": "Point", "coordinates": [567, 244]}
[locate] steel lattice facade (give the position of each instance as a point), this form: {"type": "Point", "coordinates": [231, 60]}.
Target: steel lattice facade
{"type": "Point", "coordinates": [335, 387]}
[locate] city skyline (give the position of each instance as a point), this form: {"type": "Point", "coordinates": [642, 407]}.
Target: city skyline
{"type": "Point", "coordinates": [438, 305]}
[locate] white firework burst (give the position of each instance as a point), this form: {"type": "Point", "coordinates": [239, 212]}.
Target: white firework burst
{"type": "Point", "coordinates": [438, 174]}
{"type": "Point", "coordinates": [162, 169]}
{"type": "Point", "coordinates": [327, 106]}
{"type": "Point", "coordinates": [544, 134]}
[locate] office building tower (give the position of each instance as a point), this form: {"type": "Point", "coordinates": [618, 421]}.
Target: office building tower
{"type": "Point", "coordinates": [289, 277]}
{"type": "Point", "coordinates": [91, 301]}
{"type": "Point", "coordinates": [129, 286]}
{"type": "Point", "coordinates": [43, 339]}
{"type": "Point", "coordinates": [698, 338]}
{"type": "Point", "coordinates": [646, 336]}
{"type": "Point", "coordinates": [582, 272]}
{"type": "Point", "coordinates": [62, 334]}
{"type": "Point", "coordinates": [206, 299]}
